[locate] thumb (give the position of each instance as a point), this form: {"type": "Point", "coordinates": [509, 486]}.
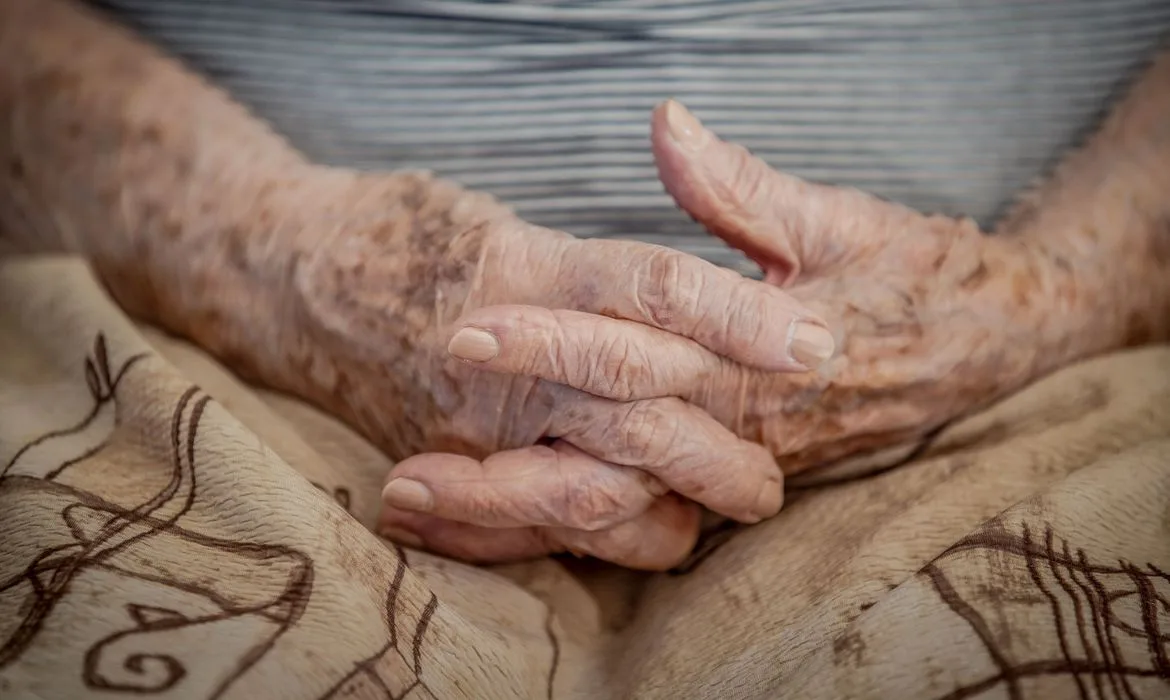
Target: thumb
{"type": "Point", "coordinates": [789, 227]}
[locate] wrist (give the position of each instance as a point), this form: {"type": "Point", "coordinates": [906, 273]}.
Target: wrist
{"type": "Point", "coordinates": [1107, 250]}
{"type": "Point", "coordinates": [1099, 230]}
{"type": "Point", "coordinates": [1079, 296]}
{"type": "Point", "coordinates": [376, 257]}
{"type": "Point", "coordinates": [211, 260]}
{"type": "Point", "coordinates": [346, 274]}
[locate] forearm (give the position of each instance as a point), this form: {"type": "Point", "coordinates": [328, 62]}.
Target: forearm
{"type": "Point", "coordinates": [1100, 230]}
{"type": "Point", "coordinates": [112, 150]}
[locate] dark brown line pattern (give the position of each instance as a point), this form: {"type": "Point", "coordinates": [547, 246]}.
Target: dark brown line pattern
{"type": "Point", "coordinates": [1098, 641]}
{"type": "Point", "coordinates": [709, 542]}
{"type": "Point", "coordinates": [1110, 650]}
{"type": "Point", "coordinates": [100, 394]}
{"type": "Point", "coordinates": [44, 601]}
{"type": "Point", "coordinates": [366, 667]}
{"type": "Point", "coordinates": [339, 494]}
{"type": "Point", "coordinates": [1148, 596]}
{"type": "Point", "coordinates": [392, 600]}
{"type": "Point", "coordinates": [956, 603]}
{"type": "Point", "coordinates": [56, 473]}
{"type": "Point", "coordinates": [63, 563]}
{"type": "Point", "coordinates": [362, 667]}
{"type": "Point", "coordinates": [134, 517]}
{"type": "Point", "coordinates": [423, 622]}
{"type": "Point", "coordinates": [377, 680]}
{"type": "Point", "coordinates": [1050, 555]}
{"type": "Point", "coordinates": [1012, 544]}
{"type": "Point", "coordinates": [1103, 656]}
{"type": "Point", "coordinates": [556, 650]}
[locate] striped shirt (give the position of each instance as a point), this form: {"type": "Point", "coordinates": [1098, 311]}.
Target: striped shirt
{"type": "Point", "coordinates": [947, 105]}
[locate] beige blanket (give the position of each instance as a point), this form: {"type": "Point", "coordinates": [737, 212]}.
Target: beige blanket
{"type": "Point", "coordinates": [166, 531]}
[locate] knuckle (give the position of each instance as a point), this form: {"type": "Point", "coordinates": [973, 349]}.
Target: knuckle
{"type": "Point", "coordinates": [746, 317]}
{"type": "Point", "coordinates": [758, 468]}
{"type": "Point", "coordinates": [595, 509]}
{"type": "Point", "coordinates": [487, 506]}
{"type": "Point", "coordinates": [758, 453]}
{"type": "Point", "coordinates": [667, 288]}
{"type": "Point", "coordinates": [624, 368]}
{"type": "Point", "coordinates": [649, 431]}
{"type": "Point", "coordinates": [559, 353]}
{"type": "Point", "coordinates": [587, 504]}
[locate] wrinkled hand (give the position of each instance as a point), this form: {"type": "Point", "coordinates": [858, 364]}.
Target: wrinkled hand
{"type": "Point", "coordinates": [385, 301]}
{"type": "Point", "coordinates": [927, 310]}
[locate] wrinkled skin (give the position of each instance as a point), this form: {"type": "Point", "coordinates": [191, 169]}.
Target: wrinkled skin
{"type": "Point", "coordinates": [376, 301]}
{"type": "Point", "coordinates": [929, 313]}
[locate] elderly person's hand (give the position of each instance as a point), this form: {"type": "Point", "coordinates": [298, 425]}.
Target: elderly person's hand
{"type": "Point", "coordinates": [380, 321]}
{"type": "Point", "coordinates": [933, 319]}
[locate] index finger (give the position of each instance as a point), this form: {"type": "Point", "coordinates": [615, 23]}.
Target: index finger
{"type": "Point", "coordinates": [612, 358]}
{"type": "Point", "coordinates": [748, 321]}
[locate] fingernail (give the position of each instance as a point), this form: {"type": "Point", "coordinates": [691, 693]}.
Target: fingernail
{"type": "Point", "coordinates": [402, 537]}
{"type": "Point", "coordinates": [810, 344]}
{"type": "Point", "coordinates": [770, 500]}
{"type": "Point", "coordinates": [684, 128]}
{"type": "Point", "coordinates": [474, 345]}
{"type": "Point", "coordinates": [408, 494]}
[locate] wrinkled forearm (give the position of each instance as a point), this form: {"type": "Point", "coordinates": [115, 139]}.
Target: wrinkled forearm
{"type": "Point", "coordinates": [1099, 230]}
{"type": "Point", "coordinates": [114, 151]}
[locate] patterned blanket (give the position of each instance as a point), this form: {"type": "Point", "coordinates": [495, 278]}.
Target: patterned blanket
{"type": "Point", "coordinates": [170, 532]}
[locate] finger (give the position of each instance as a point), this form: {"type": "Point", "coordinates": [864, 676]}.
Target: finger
{"type": "Point", "coordinates": [747, 321]}
{"type": "Point", "coordinates": [557, 486]}
{"type": "Point", "coordinates": [655, 540]}
{"type": "Point", "coordinates": [612, 358]}
{"type": "Point", "coordinates": [463, 541]}
{"type": "Point", "coordinates": [680, 444]}
{"type": "Point", "coordinates": [783, 223]}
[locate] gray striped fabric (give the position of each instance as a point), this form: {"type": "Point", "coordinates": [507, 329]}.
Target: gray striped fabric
{"type": "Point", "coordinates": [947, 106]}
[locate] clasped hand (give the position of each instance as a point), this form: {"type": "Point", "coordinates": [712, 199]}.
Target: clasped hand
{"type": "Point", "coordinates": [552, 394]}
